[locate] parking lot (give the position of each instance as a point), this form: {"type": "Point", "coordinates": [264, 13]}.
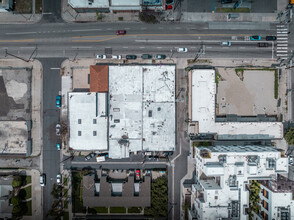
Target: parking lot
{"type": "Point", "coordinates": [254, 95]}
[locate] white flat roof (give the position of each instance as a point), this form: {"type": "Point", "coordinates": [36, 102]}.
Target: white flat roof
{"type": "Point", "coordinates": [142, 107]}
{"type": "Point", "coordinates": [203, 111]}
{"type": "Point", "coordinates": [88, 130]}
{"type": "Point", "coordinates": [125, 2]}
{"type": "Point", "coordinates": [85, 3]}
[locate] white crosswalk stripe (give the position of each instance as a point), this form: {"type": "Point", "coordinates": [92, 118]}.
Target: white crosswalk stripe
{"type": "Point", "coordinates": [282, 41]}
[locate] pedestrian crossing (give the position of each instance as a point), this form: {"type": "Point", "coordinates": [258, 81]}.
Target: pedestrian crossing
{"type": "Point", "coordinates": [282, 41]}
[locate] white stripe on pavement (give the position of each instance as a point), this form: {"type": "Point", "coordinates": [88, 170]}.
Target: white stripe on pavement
{"type": "Point", "coordinates": [282, 55]}
{"type": "Point", "coordinates": [21, 33]}
{"type": "Point", "coordinates": [282, 48]}
{"type": "Point", "coordinates": [282, 51]}
{"type": "Point", "coordinates": [86, 30]}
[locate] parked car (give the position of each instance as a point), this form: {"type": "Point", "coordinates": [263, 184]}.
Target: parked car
{"type": "Point", "coordinates": [131, 57]}
{"type": "Point", "coordinates": [101, 56]}
{"type": "Point", "coordinates": [137, 174]}
{"type": "Point", "coordinates": [160, 56]}
{"type": "Point", "coordinates": [182, 49]}
{"type": "Point", "coordinates": [271, 38]}
{"type": "Point", "coordinates": [89, 156]}
{"type": "Point", "coordinates": [146, 56]}
{"type": "Point", "coordinates": [43, 179]}
{"type": "Point", "coordinates": [255, 37]}
{"type": "Point", "coordinates": [58, 146]}
{"type": "Point", "coordinates": [262, 44]}
{"type": "Point", "coordinates": [121, 32]}
{"type": "Point", "coordinates": [226, 43]}
{"type": "Point", "coordinates": [58, 129]}
{"type": "Point", "coordinates": [58, 101]}
{"type": "Point", "coordinates": [118, 57]}
{"type": "Point", "coordinates": [58, 178]}
{"type": "Point", "coordinates": [168, 7]}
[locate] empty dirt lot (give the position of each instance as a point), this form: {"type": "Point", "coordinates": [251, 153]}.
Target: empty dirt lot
{"type": "Point", "coordinates": [248, 96]}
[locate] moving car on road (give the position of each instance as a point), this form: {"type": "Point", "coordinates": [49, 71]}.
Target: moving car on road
{"type": "Point", "coordinates": [271, 38]}
{"type": "Point", "coordinates": [58, 129]}
{"type": "Point", "coordinates": [182, 50]}
{"type": "Point", "coordinates": [58, 101]}
{"type": "Point", "coordinates": [160, 56]}
{"type": "Point", "coordinates": [131, 57]}
{"type": "Point", "coordinates": [43, 179]}
{"type": "Point", "coordinates": [58, 146]}
{"type": "Point", "coordinates": [58, 178]}
{"type": "Point", "coordinates": [255, 37]}
{"type": "Point", "coordinates": [226, 43]}
{"type": "Point", "coordinates": [121, 32]}
{"type": "Point", "coordinates": [262, 44]}
{"type": "Point", "coordinates": [101, 56]}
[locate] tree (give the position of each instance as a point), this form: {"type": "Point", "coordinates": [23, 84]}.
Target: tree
{"type": "Point", "coordinates": [56, 190]}
{"type": "Point", "coordinates": [289, 136]}
{"type": "Point", "coordinates": [17, 181]}
{"type": "Point", "coordinates": [15, 201]}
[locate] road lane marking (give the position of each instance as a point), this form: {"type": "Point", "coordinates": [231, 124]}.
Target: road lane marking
{"type": "Point", "coordinates": [27, 47]}
{"type": "Point", "coordinates": [86, 30]}
{"type": "Point", "coordinates": [94, 40]}
{"type": "Point", "coordinates": [81, 47]}
{"type": "Point", "coordinates": [169, 35]}
{"type": "Point", "coordinates": [17, 41]}
{"type": "Point", "coordinates": [21, 33]}
{"type": "Point", "coordinates": [55, 68]}
{"type": "Point", "coordinates": [282, 48]}
{"type": "Point", "coordinates": [282, 51]}
{"type": "Point", "coordinates": [125, 47]}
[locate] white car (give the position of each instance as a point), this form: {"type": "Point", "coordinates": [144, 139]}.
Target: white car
{"type": "Point", "coordinates": [118, 57]}
{"type": "Point", "coordinates": [182, 49]}
{"type": "Point", "coordinates": [226, 43]}
{"type": "Point", "coordinates": [42, 179]}
{"type": "Point", "coordinates": [58, 129]}
{"type": "Point", "coordinates": [58, 178]}
{"type": "Point", "coordinates": [101, 56]}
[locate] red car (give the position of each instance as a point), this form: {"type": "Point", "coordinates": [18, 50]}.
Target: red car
{"type": "Point", "coordinates": [137, 174]}
{"type": "Point", "coordinates": [121, 32]}
{"type": "Point", "coordinates": [169, 7]}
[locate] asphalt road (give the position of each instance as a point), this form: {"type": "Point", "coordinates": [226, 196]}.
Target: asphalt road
{"type": "Point", "coordinates": [51, 11]}
{"type": "Point", "coordinates": [51, 156]}
{"type": "Point", "coordinates": [88, 40]}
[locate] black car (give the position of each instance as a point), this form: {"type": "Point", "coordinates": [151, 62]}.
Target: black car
{"type": "Point", "coordinates": [89, 156]}
{"type": "Point", "coordinates": [271, 38]}
{"type": "Point", "coordinates": [262, 44]}
{"type": "Point", "coordinates": [131, 57]}
{"type": "Point", "coordinates": [160, 56]}
{"type": "Point", "coordinates": [146, 56]}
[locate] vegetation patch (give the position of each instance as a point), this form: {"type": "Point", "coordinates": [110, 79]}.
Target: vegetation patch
{"type": "Point", "coordinates": [99, 16]}
{"type": "Point", "coordinates": [218, 77]}
{"type": "Point", "coordinates": [117, 210]}
{"type": "Point", "coordinates": [77, 200]}
{"type": "Point", "coordinates": [23, 6]}
{"type": "Point", "coordinates": [135, 210]}
{"type": "Point", "coordinates": [101, 209]}
{"type": "Point", "coordinates": [65, 181]}
{"type": "Point", "coordinates": [254, 198]}
{"type": "Point", "coordinates": [28, 205]}
{"type": "Point", "coordinates": [201, 144]}
{"type": "Point", "coordinates": [226, 10]}
{"type": "Point", "coordinates": [289, 136]}
{"type": "Point", "coordinates": [65, 204]}
{"type": "Point", "coordinates": [276, 84]}
{"type": "Point", "coordinates": [66, 216]}
{"type": "Point", "coordinates": [28, 191]}
{"type": "Point", "coordinates": [28, 180]}
{"type": "Point", "coordinates": [159, 198]}
{"type": "Point", "coordinates": [147, 17]}
{"type": "Point", "coordinates": [120, 18]}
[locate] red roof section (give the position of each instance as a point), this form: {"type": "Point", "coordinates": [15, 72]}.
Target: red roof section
{"type": "Point", "coordinates": [99, 78]}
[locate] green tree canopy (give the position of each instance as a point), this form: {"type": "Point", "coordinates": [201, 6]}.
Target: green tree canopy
{"type": "Point", "coordinates": [289, 136]}
{"type": "Point", "coordinates": [17, 181]}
